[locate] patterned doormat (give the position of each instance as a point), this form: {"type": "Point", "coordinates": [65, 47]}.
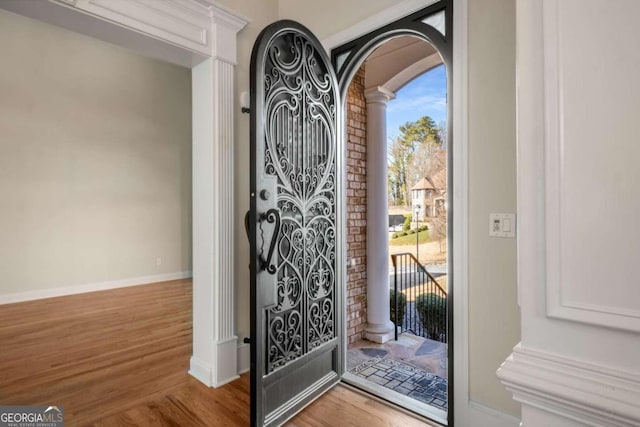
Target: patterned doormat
{"type": "Point", "coordinates": [405, 379]}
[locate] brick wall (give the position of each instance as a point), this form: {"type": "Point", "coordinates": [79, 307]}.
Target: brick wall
{"type": "Point", "coordinates": [356, 208]}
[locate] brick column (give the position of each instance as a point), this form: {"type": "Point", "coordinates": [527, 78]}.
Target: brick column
{"type": "Point", "coordinates": [356, 208]}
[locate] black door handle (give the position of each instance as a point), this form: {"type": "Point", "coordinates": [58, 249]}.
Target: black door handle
{"type": "Point", "coordinates": [271, 216]}
{"type": "Point", "coordinates": [246, 226]}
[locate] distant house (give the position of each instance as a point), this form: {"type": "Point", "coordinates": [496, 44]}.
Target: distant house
{"type": "Point", "coordinates": [429, 194]}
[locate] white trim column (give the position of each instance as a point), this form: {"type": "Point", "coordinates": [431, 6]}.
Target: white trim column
{"type": "Point", "coordinates": [214, 359]}
{"type": "Point", "coordinates": [379, 326]}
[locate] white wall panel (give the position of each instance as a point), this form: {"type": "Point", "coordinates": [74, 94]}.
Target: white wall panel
{"type": "Point", "coordinates": [592, 205]}
{"type": "Point", "coordinates": [578, 98]}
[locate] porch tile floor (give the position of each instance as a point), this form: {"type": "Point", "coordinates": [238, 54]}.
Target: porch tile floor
{"type": "Point", "coordinates": [405, 379]}
{"type": "Point", "coordinates": [422, 353]}
{"type": "Point", "coordinates": [412, 366]}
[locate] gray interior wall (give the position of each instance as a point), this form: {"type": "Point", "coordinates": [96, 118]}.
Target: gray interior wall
{"type": "Point", "coordinates": [95, 161]}
{"type": "Point", "coordinates": [494, 318]}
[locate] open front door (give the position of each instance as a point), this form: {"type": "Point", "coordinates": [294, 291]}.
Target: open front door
{"type": "Point", "coordinates": [296, 254]}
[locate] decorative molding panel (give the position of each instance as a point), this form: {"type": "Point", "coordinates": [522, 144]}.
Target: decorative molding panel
{"type": "Point", "coordinates": [572, 389]}
{"type": "Point", "coordinates": [198, 25]}
{"type": "Point", "coordinates": [184, 32]}
{"type": "Point", "coordinates": [586, 275]}
{"type": "Point", "coordinates": [183, 23]}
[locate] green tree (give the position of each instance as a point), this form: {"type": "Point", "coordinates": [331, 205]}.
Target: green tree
{"type": "Point", "coordinates": [416, 153]}
{"type": "Point", "coordinates": [424, 130]}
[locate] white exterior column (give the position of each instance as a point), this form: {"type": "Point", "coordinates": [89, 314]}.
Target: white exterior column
{"type": "Point", "coordinates": [379, 326]}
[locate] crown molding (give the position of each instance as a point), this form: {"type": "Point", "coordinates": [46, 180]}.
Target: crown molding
{"type": "Point", "coordinates": [183, 32]}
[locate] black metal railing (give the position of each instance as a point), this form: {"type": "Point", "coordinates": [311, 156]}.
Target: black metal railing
{"type": "Point", "coordinates": [418, 302]}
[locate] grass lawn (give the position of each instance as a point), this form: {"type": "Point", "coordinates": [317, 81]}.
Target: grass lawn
{"type": "Point", "coordinates": [410, 239]}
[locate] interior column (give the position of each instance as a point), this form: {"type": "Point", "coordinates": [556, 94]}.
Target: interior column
{"type": "Point", "coordinates": [379, 326]}
{"type": "Point", "coordinates": [215, 345]}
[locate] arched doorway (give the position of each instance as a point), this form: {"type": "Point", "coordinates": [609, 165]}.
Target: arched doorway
{"type": "Point", "coordinates": [305, 71]}
{"type": "Point", "coordinates": [371, 70]}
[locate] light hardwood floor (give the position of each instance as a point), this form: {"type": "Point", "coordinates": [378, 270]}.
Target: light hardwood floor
{"type": "Point", "coordinates": [120, 358]}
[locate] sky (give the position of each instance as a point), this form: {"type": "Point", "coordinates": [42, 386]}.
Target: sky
{"type": "Point", "coordinates": [426, 95]}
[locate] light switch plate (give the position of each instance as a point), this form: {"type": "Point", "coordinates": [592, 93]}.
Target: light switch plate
{"type": "Point", "coordinates": [502, 225]}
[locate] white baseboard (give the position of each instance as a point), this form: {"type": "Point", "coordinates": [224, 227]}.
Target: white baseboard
{"type": "Point", "coordinates": [223, 366]}
{"type": "Point", "coordinates": [201, 371]}
{"type": "Point", "coordinates": [483, 416]}
{"type": "Point", "coordinates": [244, 358]}
{"type": "Point", "coordinates": [226, 361]}
{"type": "Point", "coordinates": [90, 287]}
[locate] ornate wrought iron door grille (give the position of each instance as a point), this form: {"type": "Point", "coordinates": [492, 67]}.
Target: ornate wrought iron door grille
{"type": "Point", "coordinates": [300, 152]}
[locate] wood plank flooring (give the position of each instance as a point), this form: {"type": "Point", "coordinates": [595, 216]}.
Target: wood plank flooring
{"type": "Point", "coordinates": [120, 358]}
